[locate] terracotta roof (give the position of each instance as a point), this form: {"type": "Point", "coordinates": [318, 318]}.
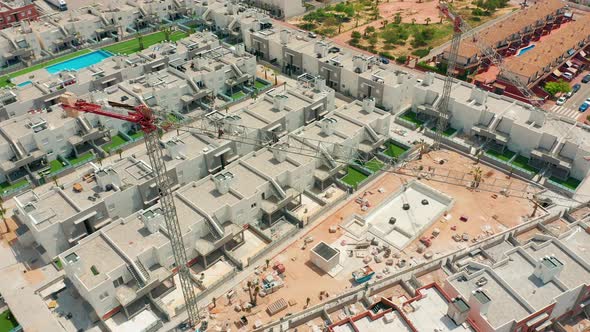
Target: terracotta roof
{"type": "Point", "coordinates": [511, 25]}
{"type": "Point", "coordinates": [549, 49]}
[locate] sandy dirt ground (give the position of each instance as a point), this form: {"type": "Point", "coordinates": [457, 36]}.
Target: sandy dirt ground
{"type": "Point", "coordinates": [408, 9]}
{"type": "Point", "coordinates": [577, 324]}
{"type": "Point", "coordinates": [480, 208]}
{"type": "Point", "coordinates": [483, 211]}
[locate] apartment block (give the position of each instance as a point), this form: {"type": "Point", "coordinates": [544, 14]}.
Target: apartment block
{"type": "Point", "coordinates": [529, 287]}
{"type": "Point", "coordinates": [99, 23]}
{"type": "Point", "coordinates": [349, 72]}
{"type": "Point", "coordinates": [279, 8]}
{"type": "Point", "coordinates": [556, 49]}
{"type": "Point", "coordinates": [256, 189]}
{"type": "Point", "coordinates": [12, 12]}
{"type": "Point", "coordinates": [190, 157]}
{"type": "Point", "coordinates": [515, 31]}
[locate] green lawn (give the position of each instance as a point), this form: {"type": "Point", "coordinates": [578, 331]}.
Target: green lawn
{"type": "Point", "coordinates": [450, 131]}
{"type": "Point", "coordinates": [132, 46]}
{"type": "Point", "coordinates": [238, 95]}
{"type": "Point", "coordinates": [58, 264]}
{"type": "Point", "coordinates": [505, 156]}
{"type": "Point", "coordinates": [570, 183]}
{"type": "Point", "coordinates": [116, 141]}
{"type": "Point", "coordinates": [75, 161]}
{"type": "Point", "coordinates": [55, 166]}
{"type": "Point", "coordinates": [4, 80]}
{"type": "Point", "coordinates": [7, 321]}
{"type": "Point", "coordinates": [173, 118]}
{"type": "Point", "coordinates": [412, 117]}
{"type": "Point", "coordinates": [136, 135]}
{"type": "Point", "coordinates": [523, 162]}
{"type": "Point", "coordinates": [394, 150]}
{"type": "Point", "coordinates": [5, 186]}
{"type": "Point", "coordinates": [260, 85]}
{"type": "Point", "coordinates": [374, 165]}
{"type": "Point", "coordinates": [353, 177]}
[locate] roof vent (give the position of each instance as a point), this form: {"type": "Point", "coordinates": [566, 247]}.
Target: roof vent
{"type": "Point", "coordinates": [328, 125]}
{"type": "Point", "coordinates": [458, 310]}
{"type": "Point", "coordinates": [223, 182]}
{"type": "Point", "coordinates": [548, 268]}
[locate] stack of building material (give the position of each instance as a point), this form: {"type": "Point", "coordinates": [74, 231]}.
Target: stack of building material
{"type": "Point", "coordinates": [277, 306]}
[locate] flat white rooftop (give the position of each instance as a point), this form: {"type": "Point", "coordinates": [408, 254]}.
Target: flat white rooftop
{"type": "Point", "coordinates": [366, 324]}
{"type": "Point", "coordinates": [430, 313]}
{"type": "Point", "coordinates": [408, 223]}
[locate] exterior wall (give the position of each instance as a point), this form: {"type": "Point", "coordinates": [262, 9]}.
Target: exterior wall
{"type": "Point", "coordinates": [9, 15]}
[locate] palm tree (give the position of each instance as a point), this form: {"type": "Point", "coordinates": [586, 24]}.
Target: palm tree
{"type": "Point", "coordinates": [249, 285]}
{"type": "Point", "coordinates": [413, 21]}
{"type": "Point", "coordinates": [140, 41]}
{"type": "Point", "coordinates": [167, 32]}
{"type": "Point", "coordinates": [441, 18]}
{"type": "Point", "coordinates": [265, 69]}
{"type": "Point", "coordinates": [276, 73]}
{"type": "Point", "coordinates": [3, 213]}
{"type": "Point", "coordinates": [120, 153]}
{"type": "Point", "coordinates": [422, 148]}
{"type": "Point", "coordinates": [256, 290]}
{"type": "Point", "coordinates": [477, 174]}
{"type": "Point", "coordinates": [99, 159]}
{"type": "Point", "coordinates": [54, 178]}
{"type": "Point", "coordinates": [427, 20]}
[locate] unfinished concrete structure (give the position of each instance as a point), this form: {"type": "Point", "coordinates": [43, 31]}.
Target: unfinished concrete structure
{"type": "Point", "coordinates": [216, 210]}
{"type": "Point", "coordinates": [500, 284]}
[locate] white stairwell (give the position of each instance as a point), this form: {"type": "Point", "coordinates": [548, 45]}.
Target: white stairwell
{"type": "Point", "coordinates": [16, 147]}
{"type": "Point", "coordinates": [268, 178]}
{"type": "Point", "coordinates": [236, 70]}
{"type": "Point", "coordinates": [137, 272]}
{"type": "Point", "coordinates": [86, 127]}
{"type": "Point", "coordinates": [205, 14]}
{"type": "Point", "coordinates": [372, 133]}
{"type": "Point", "coordinates": [216, 229]}
{"type": "Point", "coordinates": [233, 23]}
{"type": "Point", "coordinates": [494, 123]}
{"type": "Point", "coordinates": [328, 156]}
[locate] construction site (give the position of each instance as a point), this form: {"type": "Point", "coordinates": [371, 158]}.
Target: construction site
{"type": "Point", "coordinates": [285, 183]}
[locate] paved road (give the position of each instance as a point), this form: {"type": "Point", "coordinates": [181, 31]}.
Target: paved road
{"type": "Point", "coordinates": [570, 108]}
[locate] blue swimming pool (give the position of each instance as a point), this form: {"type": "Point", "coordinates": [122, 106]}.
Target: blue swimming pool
{"type": "Point", "coordinates": [25, 83]}
{"type": "Point", "coordinates": [79, 62]}
{"type": "Point", "coordinates": [525, 49]}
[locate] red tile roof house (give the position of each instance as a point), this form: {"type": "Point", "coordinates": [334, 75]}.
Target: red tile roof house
{"type": "Point", "coordinates": [16, 11]}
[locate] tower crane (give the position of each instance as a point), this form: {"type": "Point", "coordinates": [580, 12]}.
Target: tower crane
{"type": "Point", "coordinates": [443, 110]}
{"type": "Point", "coordinates": [461, 28]}
{"type": "Point", "coordinates": [150, 124]}
{"type": "Point", "coordinates": [146, 120]}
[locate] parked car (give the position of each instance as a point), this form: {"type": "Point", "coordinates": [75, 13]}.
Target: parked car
{"type": "Point", "coordinates": [561, 100]}
{"type": "Point", "coordinates": [384, 60]}
{"type": "Point", "coordinates": [568, 95]}
{"type": "Point", "coordinates": [568, 76]}
{"type": "Point", "coordinates": [312, 35]}
{"type": "Point", "coordinates": [586, 79]}
{"type": "Point", "coordinates": [583, 107]}
{"type": "Point", "coordinates": [576, 87]}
